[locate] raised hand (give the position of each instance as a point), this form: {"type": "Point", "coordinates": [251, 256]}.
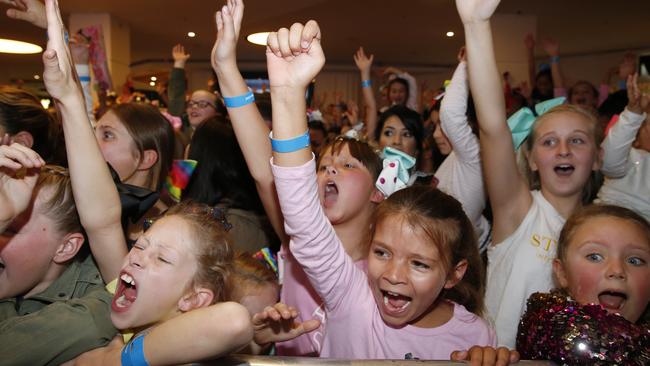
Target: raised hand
{"type": "Point", "coordinates": [228, 21]}
{"type": "Point", "coordinates": [551, 47]}
{"type": "Point", "coordinates": [294, 56]}
{"type": "Point", "coordinates": [476, 11]}
{"type": "Point", "coordinates": [59, 77]}
{"type": "Point", "coordinates": [364, 63]}
{"type": "Point", "coordinates": [277, 323]}
{"type": "Point", "coordinates": [637, 102]}
{"type": "Point", "coordinates": [19, 167]}
{"type": "Point", "coordinates": [31, 11]}
{"type": "Point", "coordinates": [180, 56]}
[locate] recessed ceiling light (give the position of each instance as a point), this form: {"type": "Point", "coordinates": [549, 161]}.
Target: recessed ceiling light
{"type": "Point", "coordinates": [450, 34]}
{"type": "Point", "coordinates": [153, 78]}
{"type": "Point", "coordinates": [191, 34]}
{"type": "Point", "coordinates": [12, 46]}
{"type": "Point", "coordinates": [152, 83]}
{"type": "Point", "coordinates": [258, 38]}
{"type": "Point", "coordinates": [37, 77]}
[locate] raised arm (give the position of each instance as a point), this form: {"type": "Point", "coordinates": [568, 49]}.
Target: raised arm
{"type": "Point", "coordinates": [621, 136]}
{"type": "Point", "coordinates": [507, 189]}
{"type": "Point", "coordinates": [95, 194]}
{"type": "Point", "coordinates": [453, 114]}
{"type": "Point", "coordinates": [364, 63]}
{"type": "Point", "coordinates": [552, 49]}
{"type": "Point", "coordinates": [294, 57]}
{"type": "Point", "coordinates": [249, 126]}
{"type": "Point", "coordinates": [177, 83]}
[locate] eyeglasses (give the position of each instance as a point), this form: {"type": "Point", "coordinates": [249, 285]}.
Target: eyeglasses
{"type": "Point", "coordinates": [202, 104]}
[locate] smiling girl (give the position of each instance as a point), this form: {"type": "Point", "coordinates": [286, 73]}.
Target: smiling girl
{"type": "Point", "coordinates": [602, 268]}
{"type": "Point", "coordinates": [424, 273]}
{"type": "Point", "coordinates": [562, 152]}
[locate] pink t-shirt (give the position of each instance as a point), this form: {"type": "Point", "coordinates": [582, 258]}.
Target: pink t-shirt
{"type": "Point", "coordinates": [297, 292]}
{"type": "Point", "coordinates": [355, 329]}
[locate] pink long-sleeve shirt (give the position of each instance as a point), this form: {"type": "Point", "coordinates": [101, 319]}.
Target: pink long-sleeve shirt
{"type": "Point", "coordinates": [355, 329]}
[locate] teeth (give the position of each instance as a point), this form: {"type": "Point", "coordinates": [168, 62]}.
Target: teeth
{"type": "Point", "coordinates": [128, 279]}
{"type": "Point", "coordinates": [120, 302]}
{"type": "Point", "coordinates": [385, 300]}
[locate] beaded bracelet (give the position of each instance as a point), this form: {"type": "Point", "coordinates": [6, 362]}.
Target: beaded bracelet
{"type": "Point", "coordinates": [290, 145]}
{"type": "Point", "coordinates": [240, 100]}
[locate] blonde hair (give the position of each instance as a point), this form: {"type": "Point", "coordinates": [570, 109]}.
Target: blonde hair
{"type": "Point", "coordinates": [523, 154]}
{"type": "Point", "coordinates": [249, 272]}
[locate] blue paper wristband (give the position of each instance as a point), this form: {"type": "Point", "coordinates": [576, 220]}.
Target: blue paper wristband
{"type": "Point", "coordinates": [366, 83]}
{"type": "Point", "coordinates": [240, 100]}
{"type": "Point", "coordinates": [133, 353]}
{"type": "Point", "coordinates": [84, 78]}
{"type": "Point", "coordinates": [290, 145]}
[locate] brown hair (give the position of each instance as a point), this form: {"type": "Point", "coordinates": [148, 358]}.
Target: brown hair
{"type": "Point", "coordinates": [249, 272]}
{"type": "Point", "coordinates": [22, 111]}
{"type": "Point", "coordinates": [150, 130]}
{"type": "Point", "coordinates": [213, 253]}
{"type": "Point", "coordinates": [587, 213]}
{"type": "Point", "coordinates": [443, 220]}
{"type": "Point", "coordinates": [359, 149]}
{"type": "Point", "coordinates": [593, 183]}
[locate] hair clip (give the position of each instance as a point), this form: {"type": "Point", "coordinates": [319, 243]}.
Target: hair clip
{"type": "Point", "coordinates": [219, 215]}
{"type": "Point", "coordinates": [57, 170]}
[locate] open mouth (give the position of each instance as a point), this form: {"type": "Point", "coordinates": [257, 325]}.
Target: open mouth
{"type": "Point", "coordinates": [612, 300]}
{"type": "Point", "coordinates": [125, 294]}
{"type": "Point", "coordinates": [564, 169]}
{"type": "Point", "coordinates": [2, 266]}
{"type": "Point", "coordinates": [331, 193]}
{"type": "Point", "coordinates": [394, 303]}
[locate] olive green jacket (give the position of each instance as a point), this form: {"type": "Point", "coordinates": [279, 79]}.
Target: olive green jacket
{"type": "Point", "coordinates": [70, 317]}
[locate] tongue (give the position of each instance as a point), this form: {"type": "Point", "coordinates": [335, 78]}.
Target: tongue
{"type": "Point", "coordinates": [331, 196]}
{"type": "Point", "coordinates": [611, 301]}
{"type": "Point", "coordinates": [397, 301]}
{"type": "Point", "coordinates": [130, 293]}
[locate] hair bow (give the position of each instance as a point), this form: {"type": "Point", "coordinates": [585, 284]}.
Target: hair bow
{"type": "Point", "coordinates": [268, 258]}
{"type": "Point", "coordinates": [521, 122]}
{"type": "Point", "coordinates": [394, 176]}
{"type": "Point", "coordinates": [178, 178]}
{"type": "Point", "coordinates": [176, 122]}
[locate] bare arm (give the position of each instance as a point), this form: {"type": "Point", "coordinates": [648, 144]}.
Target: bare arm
{"type": "Point", "coordinates": [364, 63]}
{"type": "Point", "coordinates": [507, 189]}
{"type": "Point", "coordinates": [250, 128]}
{"type": "Point", "coordinates": [95, 194]}
{"type": "Point", "coordinates": [294, 57]}
{"type": "Point", "coordinates": [552, 48]}
{"type": "Point", "coordinates": [216, 331]}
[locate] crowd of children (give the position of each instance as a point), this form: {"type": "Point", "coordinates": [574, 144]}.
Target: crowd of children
{"type": "Point", "coordinates": [512, 247]}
